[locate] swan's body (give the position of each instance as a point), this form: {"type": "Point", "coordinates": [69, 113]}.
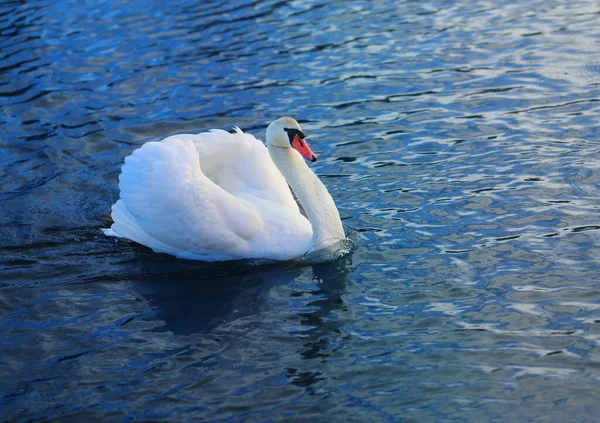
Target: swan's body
{"type": "Point", "coordinates": [220, 196]}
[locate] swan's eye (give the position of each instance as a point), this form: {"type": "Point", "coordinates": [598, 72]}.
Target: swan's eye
{"type": "Point", "coordinates": [293, 132]}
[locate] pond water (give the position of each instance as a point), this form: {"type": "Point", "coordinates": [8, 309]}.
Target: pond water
{"type": "Point", "coordinates": [459, 139]}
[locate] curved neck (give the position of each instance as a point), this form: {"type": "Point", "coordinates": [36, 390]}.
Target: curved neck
{"type": "Point", "coordinates": [312, 194]}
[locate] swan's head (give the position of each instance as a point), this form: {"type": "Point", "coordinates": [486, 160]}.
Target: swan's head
{"type": "Point", "coordinates": [285, 132]}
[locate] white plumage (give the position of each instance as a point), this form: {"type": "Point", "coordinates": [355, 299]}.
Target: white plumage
{"type": "Point", "coordinates": [220, 196]}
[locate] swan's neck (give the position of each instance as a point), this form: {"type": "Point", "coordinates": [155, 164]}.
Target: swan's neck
{"type": "Point", "coordinates": [312, 194]}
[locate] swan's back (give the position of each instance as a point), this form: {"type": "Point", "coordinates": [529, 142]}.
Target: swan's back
{"type": "Point", "coordinates": [210, 196]}
{"type": "Point", "coordinates": [240, 164]}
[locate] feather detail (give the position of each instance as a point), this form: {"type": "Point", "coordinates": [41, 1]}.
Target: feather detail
{"type": "Point", "coordinates": [210, 196]}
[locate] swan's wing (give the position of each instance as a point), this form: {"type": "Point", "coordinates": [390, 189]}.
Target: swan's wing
{"type": "Point", "coordinates": [241, 165]}
{"type": "Point", "coordinates": [170, 205]}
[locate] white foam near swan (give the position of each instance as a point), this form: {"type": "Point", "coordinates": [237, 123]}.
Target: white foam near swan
{"type": "Point", "coordinates": [221, 196]}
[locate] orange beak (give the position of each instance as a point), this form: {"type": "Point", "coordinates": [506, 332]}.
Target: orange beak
{"type": "Point", "coordinates": [300, 145]}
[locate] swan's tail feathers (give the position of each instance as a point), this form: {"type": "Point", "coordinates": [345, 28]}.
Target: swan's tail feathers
{"type": "Point", "coordinates": [125, 226]}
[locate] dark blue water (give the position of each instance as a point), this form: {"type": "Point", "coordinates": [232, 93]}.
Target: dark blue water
{"type": "Point", "coordinates": [460, 141]}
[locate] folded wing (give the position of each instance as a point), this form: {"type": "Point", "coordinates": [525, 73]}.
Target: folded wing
{"type": "Point", "coordinates": [199, 196]}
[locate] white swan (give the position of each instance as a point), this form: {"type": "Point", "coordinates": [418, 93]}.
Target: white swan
{"type": "Point", "coordinates": [220, 196]}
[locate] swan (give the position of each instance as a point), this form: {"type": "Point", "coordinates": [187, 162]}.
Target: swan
{"type": "Point", "coordinates": [217, 196]}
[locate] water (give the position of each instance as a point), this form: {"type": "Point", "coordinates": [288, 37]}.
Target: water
{"type": "Point", "coordinates": [459, 140]}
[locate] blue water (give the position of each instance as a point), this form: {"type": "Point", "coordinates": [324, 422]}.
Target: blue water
{"type": "Point", "coordinates": [459, 139]}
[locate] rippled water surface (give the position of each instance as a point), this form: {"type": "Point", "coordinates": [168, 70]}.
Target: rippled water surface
{"type": "Point", "coordinates": [460, 141]}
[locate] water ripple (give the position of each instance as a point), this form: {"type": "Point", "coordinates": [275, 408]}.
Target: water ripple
{"type": "Point", "coordinates": [459, 141]}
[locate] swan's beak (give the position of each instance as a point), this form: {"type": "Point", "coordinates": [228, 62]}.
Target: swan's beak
{"type": "Point", "coordinates": [300, 145]}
